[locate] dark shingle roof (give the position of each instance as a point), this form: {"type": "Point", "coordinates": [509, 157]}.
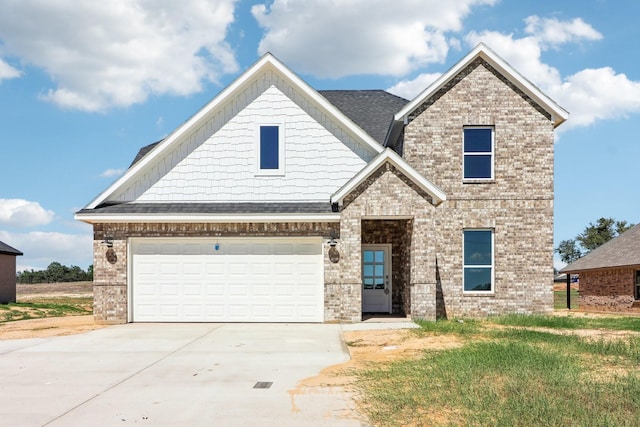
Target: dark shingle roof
{"type": "Point", "coordinates": [143, 151]}
{"type": "Point", "coordinates": [372, 110]}
{"type": "Point", "coordinates": [622, 251]}
{"type": "Point", "coordinates": [8, 250]}
{"type": "Point", "coordinates": [212, 208]}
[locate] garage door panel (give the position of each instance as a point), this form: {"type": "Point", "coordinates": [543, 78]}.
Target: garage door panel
{"type": "Point", "coordinates": [259, 280]}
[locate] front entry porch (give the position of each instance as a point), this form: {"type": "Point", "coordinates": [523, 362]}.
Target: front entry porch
{"type": "Point", "coordinates": [386, 267]}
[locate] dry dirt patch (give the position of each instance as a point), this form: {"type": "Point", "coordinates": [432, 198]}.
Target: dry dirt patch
{"type": "Point", "coordinates": [47, 327]}
{"type": "Point", "coordinates": [50, 326]}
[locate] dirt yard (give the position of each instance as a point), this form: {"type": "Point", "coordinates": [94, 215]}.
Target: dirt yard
{"type": "Point", "coordinates": [50, 326]}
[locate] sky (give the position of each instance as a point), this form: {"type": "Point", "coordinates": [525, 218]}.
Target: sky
{"type": "Point", "coordinates": [85, 84]}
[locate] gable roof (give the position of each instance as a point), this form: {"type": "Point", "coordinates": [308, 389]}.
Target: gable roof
{"type": "Point", "coordinates": [558, 114]}
{"type": "Point", "coordinates": [8, 250]}
{"type": "Point", "coordinates": [621, 251]}
{"type": "Point", "coordinates": [393, 158]}
{"type": "Point", "coordinates": [265, 64]}
{"type": "Point", "coordinates": [372, 110]}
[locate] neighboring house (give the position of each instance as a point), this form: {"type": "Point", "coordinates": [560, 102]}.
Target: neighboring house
{"type": "Point", "coordinates": [279, 203]}
{"type": "Point", "coordinates": [8, 273]}
{"type": "Point", "coordinates": [610, 274]}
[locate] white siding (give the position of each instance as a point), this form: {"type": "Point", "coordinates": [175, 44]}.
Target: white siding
{"type": "Point", "coordinates": [217, 162]}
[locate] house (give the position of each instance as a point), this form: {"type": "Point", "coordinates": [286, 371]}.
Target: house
{"type": "Point", "coordinates": [279, 203]}
{"type": "Point", "coordinates": [610, 274]}
{"type": "Point", "coordinates": [8, 273]}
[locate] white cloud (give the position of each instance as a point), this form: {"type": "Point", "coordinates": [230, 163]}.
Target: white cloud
{"type": "Point", "coordinates": [589, 95]}
{"type": "Point", "coordinates": [42, 248]}
{"type": "Point", "coordinates": [112, 54]}
{"type": "Point", "coordinates": [555, 32]}
{"type": "Point", "coordinates": [8, 72]}
{"type": "Point", "coordinates": [110, 173]}
{"type": "Point", "coordinates": [23, 213]}
{"type": "Point", "coordinates": [388, 38]}
{"type": "Point", "coordinates": [409, 89]}
{"type": "Point", "coordinates": [597, 94]}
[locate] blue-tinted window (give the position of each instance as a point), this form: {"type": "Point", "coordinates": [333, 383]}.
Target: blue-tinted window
{"type": "Point", "coordinates": [478, 153]}
{"type": "Point", "coordinates": [269, 147]}
{"type": "Point", "coordinates": [478, 260]}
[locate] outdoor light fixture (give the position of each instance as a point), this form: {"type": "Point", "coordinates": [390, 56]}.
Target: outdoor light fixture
{"type": "Point", "coordinates": [334, 254]}
{"type": "Point", "coordinates": [107, 241]}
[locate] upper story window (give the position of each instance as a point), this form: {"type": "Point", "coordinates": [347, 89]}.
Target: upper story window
{"type": "Point", "coordinates": [478, 153]}
{"type": "Point", "coordinates": [270, 150]}
{"type": "Point", "coordinates": [478, 261]}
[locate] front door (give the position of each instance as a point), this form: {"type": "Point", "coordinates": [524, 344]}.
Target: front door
{"type": "Point", "coordinates": [376, 278]}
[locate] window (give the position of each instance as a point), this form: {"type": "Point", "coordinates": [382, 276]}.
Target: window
{"type": "Point", "coordinates": [269, 155]}
{"type": "Point", "coordinates": [637, 284]}
{"type": "Point", "coordinates": [478, 261]}
{"type": "Point", "coordinates": [478, 153]}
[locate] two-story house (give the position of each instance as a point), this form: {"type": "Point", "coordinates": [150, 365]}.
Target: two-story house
{"type": "Point", "coordinates": [279, 203]}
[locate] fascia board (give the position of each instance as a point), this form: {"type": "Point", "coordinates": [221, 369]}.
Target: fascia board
{"type": "Point", "coordinates": [390, 156]}
{"type": "Point", "coordinates": [203, 218]}
{"type": "Point", "coordinates": [266, 61]}
{"type": "Point", "coordinates": [559, 114]}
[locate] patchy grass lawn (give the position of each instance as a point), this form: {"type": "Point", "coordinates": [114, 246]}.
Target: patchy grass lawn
{"type": "Point", "coordinates": [46, 307]}
{"type": "Point", "coordinates": [49, 300]}
{"type": "Point", "coordinates": [560, 299]}
{"type": "Point", "coordinates": [513, 371]}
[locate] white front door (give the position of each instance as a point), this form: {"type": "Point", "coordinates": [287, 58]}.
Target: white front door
{"type": "Point", "coordinates": [376, 278]}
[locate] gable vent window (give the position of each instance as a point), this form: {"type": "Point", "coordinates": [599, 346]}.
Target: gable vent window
{"type": "Point", "coordinates": [270, 150]}
{"type": "Point", "coordinates": [478, 153]}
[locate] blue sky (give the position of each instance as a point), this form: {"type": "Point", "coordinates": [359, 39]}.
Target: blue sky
{"type": "Point", "coordinates": [85, 84]}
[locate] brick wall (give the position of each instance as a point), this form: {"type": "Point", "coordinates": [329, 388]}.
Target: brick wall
{"type": "Point", "coordinates": [517, 204]}
{"type": "Point", "coordinates": [607, 290]}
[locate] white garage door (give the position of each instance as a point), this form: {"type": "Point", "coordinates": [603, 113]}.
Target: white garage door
{"type": "Point", "coordinates": [227, 280]}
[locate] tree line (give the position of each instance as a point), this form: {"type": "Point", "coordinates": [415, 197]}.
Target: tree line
{"type": "Point", "coordinates": [56, 272]}
{"type": "Point", "coordinates": [593, 236]}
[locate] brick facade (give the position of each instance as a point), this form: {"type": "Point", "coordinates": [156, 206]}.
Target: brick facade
{"type": "Point", "coordinates": [608, 290]}
{"type": "Point", "coordinates": [517, 204]}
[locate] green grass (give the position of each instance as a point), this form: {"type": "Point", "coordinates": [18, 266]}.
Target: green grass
{"type": "Point", "coordinates": [46, 307]}
{"type": "Point", "coordinates": [563, 322]}
{"type": "Point", "coordinates": [511, 376]}
{"type": "Point", "coordinates": [560, 300]}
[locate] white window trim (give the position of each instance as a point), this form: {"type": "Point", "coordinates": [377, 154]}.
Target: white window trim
{"type": "Point", "coordinates": [493, 154]}
{"type": "Point", "coordinates": [492, 266]}
{"type": "Point", "coordinates": [281, 147]}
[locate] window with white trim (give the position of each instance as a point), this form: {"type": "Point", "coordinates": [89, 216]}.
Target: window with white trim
{"type": "Point", "coordinates": [270, 150]}
{"type": "Point", "coordinates": [478, 152]}
{"type": "Point", "coordinates": [478, 261]}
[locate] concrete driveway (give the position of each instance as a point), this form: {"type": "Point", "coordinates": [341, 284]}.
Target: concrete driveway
{"type": "Point", "coordinates": [174, 375]}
